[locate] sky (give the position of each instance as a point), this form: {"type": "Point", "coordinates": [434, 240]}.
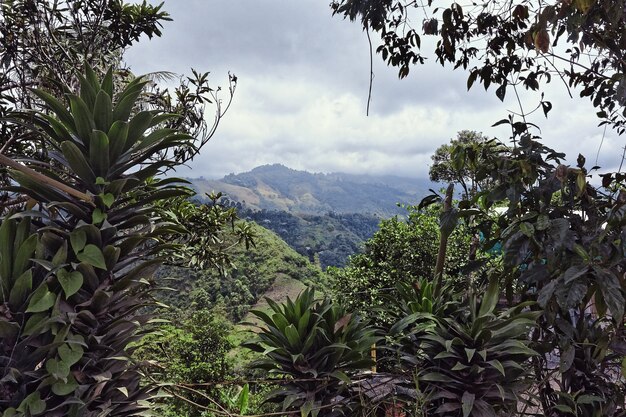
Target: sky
{"type": "Point", "coordinates": [303, 79]}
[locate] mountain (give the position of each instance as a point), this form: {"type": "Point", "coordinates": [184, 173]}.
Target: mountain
{"type": "Point", "coordinates": [276, 187]}
{"type": "Point", "coordinates": [327, 240]}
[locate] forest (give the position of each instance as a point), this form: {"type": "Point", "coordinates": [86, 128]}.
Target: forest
{"type": "Point", "coordinates": [122, 294]}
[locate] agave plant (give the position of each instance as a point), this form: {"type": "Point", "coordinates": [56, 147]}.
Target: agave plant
{"type": "Point", "coordinates": [317, 345]}
{"type": "Point", "coordinates": [473, 366]}
{"type": "Point", "coordinates": [75, 271]}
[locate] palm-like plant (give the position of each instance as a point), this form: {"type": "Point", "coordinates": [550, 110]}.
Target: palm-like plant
{"type": "Point", "coordinates": [317, 345]}
{"type": "Point", "coordinates": [472, 366]}
{"type": "Point", "coordinates": [78, 275]}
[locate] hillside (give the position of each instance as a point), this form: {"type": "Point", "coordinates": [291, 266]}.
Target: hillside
{"type": "Point", "coordinates": [276, 187]}
{"type": "Point", "coordinates": [253, 273]}
{"type": "Point", "coordinates": [327, 240]}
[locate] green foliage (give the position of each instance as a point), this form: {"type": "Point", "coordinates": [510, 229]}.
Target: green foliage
{"type": "Point", "coordinates": [76, 278]}
{"type": "Point", "coordinates": [473, 362]}
{"type": "Point", "coordinates": [449, 166]}
{"type": "Point", "coordinates": [562, 247]}
{"type": "Point", "coordinates": [210, 231]}
{"type": "Point", "coordinates": [250, 273]}
{"type": "Point", "coordinates": [191, 351]}
{"type": "Point", "coordinates": [332, 237]}
{"type": "Point", "coordinates": [318, 344]}
{"type": "Point", "coordinates": [400, 252]}
{"type": "Point", "coordinates": [523, 39]}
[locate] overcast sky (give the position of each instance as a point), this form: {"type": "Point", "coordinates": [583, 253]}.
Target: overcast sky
{"type": "Point", "coordinates": [302, 94]}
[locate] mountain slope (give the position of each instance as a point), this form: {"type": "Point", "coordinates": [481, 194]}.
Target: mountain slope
{"type": "Point", "coordinates": [254, 272]}
{"type": "Point", "coordinates": [276, 187]}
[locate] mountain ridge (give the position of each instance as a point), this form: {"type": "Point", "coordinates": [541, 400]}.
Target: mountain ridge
{"type": "Point", "coordinates": [277, 187]}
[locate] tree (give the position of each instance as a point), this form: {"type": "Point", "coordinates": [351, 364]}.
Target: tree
{"type": "Point", "coordinates": [74, 287]}
{"type": "Point", "coordinates": [561, 236]}
{"type": "Point", "coordinates": [510, 45]}
{"type": "Point", "coordinates": [447, 165]}
{"type": "Point", "coordinates": [189, 350]}
{"type": "Point", "coordinates": [399, 252]}
{"type": "Point", "coordinates": [44, 43]}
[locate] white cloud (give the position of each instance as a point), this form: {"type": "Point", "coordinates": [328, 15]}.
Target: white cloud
{"type": "Point", "coordinates": [303, 89]}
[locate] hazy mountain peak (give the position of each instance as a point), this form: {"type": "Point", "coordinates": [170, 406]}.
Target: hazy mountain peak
{"type": "Point", "coordinates": [277, 187]}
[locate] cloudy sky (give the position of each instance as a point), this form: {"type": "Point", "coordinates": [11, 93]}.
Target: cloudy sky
{"type": "Point", "coordinates": [302, 94]}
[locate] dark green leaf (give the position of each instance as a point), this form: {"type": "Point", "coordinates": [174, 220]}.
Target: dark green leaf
{"type": "Point", "coordinates": [92, 255]}
{"type": "Point", "coordinates": [71, 282]}
{"type": "Point", "coordinates": [41, 300]}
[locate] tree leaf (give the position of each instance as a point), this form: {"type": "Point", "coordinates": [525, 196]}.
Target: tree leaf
{"type": "Point", "coordinates": [611, 292]}
{"type": "Point", "coordinates": [545, 294]}
{"type": "Point", "coordinates": [567, 358]}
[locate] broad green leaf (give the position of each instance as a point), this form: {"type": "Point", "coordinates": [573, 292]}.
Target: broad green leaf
{"type": "Point", "coordinates": [108, 199]}
{"type": "Point", "coordinates": [292, 336]}
{"type": "Point", "coordinates": [127, 99]}
{"type": "Point", "coordinates": [611, 292]}
{"type": "Point", "coordinates": [61, 256]}
{"type": "Point", "coordinates": [497, 365]}
{"type": "Point", "coordinates": [71, 282]}
{"type": "Point", "coordinates": [91, 77]}
{"type": "Point", "coordinates": [87, 91]}
{"type": "Point", "coordinates": [467, 403]}
{"type": "Point", "coordinates": [490, 299]}
{"type": "Point", "coordinates": [574, 272]}
{"type": "Point", "coordinates": [242, 400]}
{"type": "Point", "coordinates": [527, 228]}
{"type": "Point", "coordinates": [545, 294]}
{"type": "Point", "coordinates": [98, 216]}
{"type": "Point", "coordinates": [57, 107]}
{"type": "Point", "coordinates": [543, 222]}
{"type": "Point", "coordinates": [21, 288]}
{"type": "Point", "coordinates": [107, 82]}
{"type": "Point", "coordinates": [70, 354]}
{"type": "Point", "coordinates": [83, 118]}
{"type": "Point", "coordinates": [7, 238]}
{"type": "Point", "coordinates": [137, 127]}
{"type": "Point", "coordinates": [99, 153]}
{"type": "Point", "coordinates": [78, 239]}
{"type": "Point", "coordinates": [77, 161]}
{"type": "Point", "coordinates": [58, 369]}
{"type": "Point", "coordinates": [92, 255]}
{"type": "Point", "coordinates": [306, 408]}
{"type": "Point", "coordinates": [117, 140]}
{"type": "Point", "coordinates": [41, 300]}
{"type": "Point", "coordinates": [23, 256]}
{"type": "Point", "coordinates": [65, 388]}
{"type": "Point", "coordinates": [448, 221]}
{"type": "Point", "coordinates": [32, 404]}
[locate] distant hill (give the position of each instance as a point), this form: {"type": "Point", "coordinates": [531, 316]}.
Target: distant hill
{"type": "Point", "coordinates": [327, 240]}
{"type": "Point", "coordinates": [253, 273]}
{"type": "Point", "coordinates": [276, 187]}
